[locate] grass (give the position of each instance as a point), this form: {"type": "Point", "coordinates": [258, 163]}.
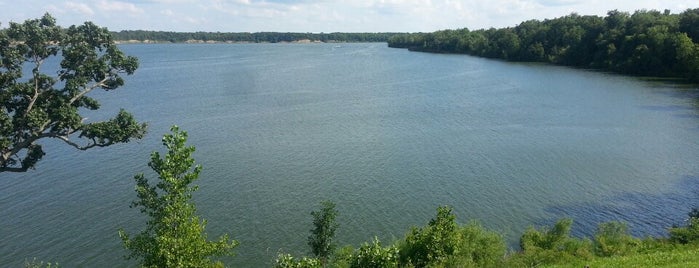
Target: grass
{"type": "Point", "coordinates": [663, 256]}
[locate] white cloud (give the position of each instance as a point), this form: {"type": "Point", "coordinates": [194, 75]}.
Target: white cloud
{"type": "Point", "coordinates": [81, 8]}
{"type": "Point", "coordinates": [118, 6]}
{"type": "Point", "coordinates": [318, 16]}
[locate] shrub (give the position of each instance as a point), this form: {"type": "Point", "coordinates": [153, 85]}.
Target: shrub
{"type": "Point", "coordinates": [686, 234]}
{"type": "Point", "coordinates": [550, 246]}
{"type": "Point", "coordinates": [34, 263]}
{"type": "Point", "coordinates": [479, 247]}
{"type": "Point", "coordinates": [374, 256]}
{"type": "Point", "coordinates": [444, 243]}
{"type": "Point", "coordinates": [433, 243]}
{"type": "Point", "coordinates": [287, 261]}
{"type": "Point", "coordinates": [613, 238]}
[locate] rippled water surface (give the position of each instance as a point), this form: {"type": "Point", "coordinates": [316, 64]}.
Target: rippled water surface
{"type": "Point", "coordinates": [386, 134]}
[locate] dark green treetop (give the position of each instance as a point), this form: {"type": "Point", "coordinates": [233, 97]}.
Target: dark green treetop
{"type": "Point", "coordinates": [48, 105]}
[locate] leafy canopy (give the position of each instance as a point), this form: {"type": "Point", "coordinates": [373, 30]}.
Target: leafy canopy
{"type": "Point", "coordinates": [46, 104]}
{"type": "Point", "coordinates": [174, 235]}
{"type": "Point", "coordinates": [321, 238]}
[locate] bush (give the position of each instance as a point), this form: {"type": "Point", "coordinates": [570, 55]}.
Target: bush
{"type": "Point", "coordinates": [374, 256]}
{"type": "Point", "coordinates": [687, 234]}
{"type": "Point", "coordinates": [34, 263]}
{"type": "Point", "coordinates": [550, 246]}
{"type": "Point", "coordinates": [479, 247]}
{"type": "Point", "coordinates": [613, 238]}
{"type": "Point", "coordinates": [433, 243]}
{"type": "Point", "coordinates": [287, 261]}
{"type": "Point", "coordinates": [444, 243]}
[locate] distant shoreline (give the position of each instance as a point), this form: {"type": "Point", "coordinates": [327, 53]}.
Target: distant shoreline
{"type": "Point", "coordinates": [193, 41]}
{"type": "Point", "coordinates": [148, 37]}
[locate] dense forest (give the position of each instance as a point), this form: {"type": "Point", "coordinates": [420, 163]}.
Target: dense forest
{"type": "Point", "coordinates": [645, 43]}
{"type": "Point", "coordinates": [260, 37]}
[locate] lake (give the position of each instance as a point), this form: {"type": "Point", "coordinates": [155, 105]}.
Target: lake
{"type": "Point", "coordinates": [386, 134]}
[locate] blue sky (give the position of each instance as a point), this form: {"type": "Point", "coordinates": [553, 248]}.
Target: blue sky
{"type": "Point", "coordinates": [315, 16]}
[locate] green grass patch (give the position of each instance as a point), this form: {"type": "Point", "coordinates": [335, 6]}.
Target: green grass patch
{"type": "Point", "coordinates": [664, 256]}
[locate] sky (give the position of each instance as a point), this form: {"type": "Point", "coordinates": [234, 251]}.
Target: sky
{"type": "Point", "coordinates": [315, 16]}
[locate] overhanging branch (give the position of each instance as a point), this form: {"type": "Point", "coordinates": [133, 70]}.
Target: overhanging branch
{"type": "Point", "coordinates": [81, 147]}
{"type": "Point", "coordinates": [88, 89]}
{"type": "Point", "coordinates": [13, 169]}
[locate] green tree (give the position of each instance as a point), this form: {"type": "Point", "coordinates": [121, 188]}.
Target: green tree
{"type": "Point", "coordinates": [374, 256]}
{"type": "Point", "coordinates": [174, 235]}
{"type": "Point", "coordinates": [321, 238]}
{"type": "Point", "coordinates": [47, 105]}
{"type": "Point", "coordinates": [433, 243]}
{"type": "Point", "coordinates": [689, 23]}
{"type": "Point", "coordinates": [444, 243]}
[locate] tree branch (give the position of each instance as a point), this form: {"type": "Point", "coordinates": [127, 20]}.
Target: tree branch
{"type": "Point", "coordinates": [94, 143]}
{"type": "Point", "coordinates": [14, 169]}
{"type": "Point", "coordinates": [36, 86]}
{"type": "Point", "coordinates": [88, 89]}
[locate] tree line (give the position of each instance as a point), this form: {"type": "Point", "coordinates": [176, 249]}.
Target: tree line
{"type": "Point", "coordinates": [645, 43]}
{"type": "Point", "coordinates": [259, 37]}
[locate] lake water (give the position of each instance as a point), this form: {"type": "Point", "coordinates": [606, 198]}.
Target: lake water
{"type": "Point", "coordinates": [386, 134]}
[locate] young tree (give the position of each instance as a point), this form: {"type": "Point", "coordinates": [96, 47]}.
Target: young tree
{"type": "Point", "coordinates": [174, 236]}
{"type": "Point", "coordinates": [47, 104]}
{"type": "Point", "coordinates": [321, 238]}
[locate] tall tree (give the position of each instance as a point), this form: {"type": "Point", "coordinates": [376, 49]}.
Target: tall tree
{"type": "Point", "coordinates": [321, 238]}
{"type": "Point", "coordinates": [47, 104]}
{"type": "Point", "coordinates": [689, 23]}
{"type": "Point", "coordinates": [174, 236]}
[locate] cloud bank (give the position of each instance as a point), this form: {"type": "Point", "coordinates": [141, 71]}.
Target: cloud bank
{"type": "Point", "coordinates": [316, 16]}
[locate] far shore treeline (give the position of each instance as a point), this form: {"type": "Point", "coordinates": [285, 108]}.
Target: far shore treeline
{"type": "Point", "coordinates": [259, 37]}
{"type": "Point", "coordinates": [645, 43]}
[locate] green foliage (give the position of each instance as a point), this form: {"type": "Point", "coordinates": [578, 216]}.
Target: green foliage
{"type": "Point", "coordinates": [687, 234]}
{"type": "Point", "coordinates": [689, 19]}
{"type": "Point", "coordinates": [444, 243]}
{"type": "Point", "coordinates": [34, 263]}
{"type": "Point", "coordinates": [287, 261]}
{"type": "Point", "coordinates": [480, 247]}
{"type": "Point", "coordinates": [432, 243]}
{"type": "Point", "coordinates": [647, 42]}
{"type": "Point", "coordinates": [550, 245]}
{"type": "Point", "coordinates": [174, 235]}
{"type": "Point", "coordinates": [47, 103]}
{"type": "Point", "coordinates": [374, 256]}
{"type": "Point", "coordinates": [342, 257]}
{"type": "Point", "coordinates": [613, 239]}
{"type": "Point", "coordinates": [323, 233]}
{"type": "Point", "coordinates": [552, 239]}
{"type": "Point", "coordinates": [663, 255]}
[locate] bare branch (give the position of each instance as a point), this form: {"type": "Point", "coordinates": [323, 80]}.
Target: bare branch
{"type": "Point", "coordinates": [36, 86]}
{"type": "Point", "coordinates": [80, 147]}
{"type": "Point", "coordinates": [88, 89]}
